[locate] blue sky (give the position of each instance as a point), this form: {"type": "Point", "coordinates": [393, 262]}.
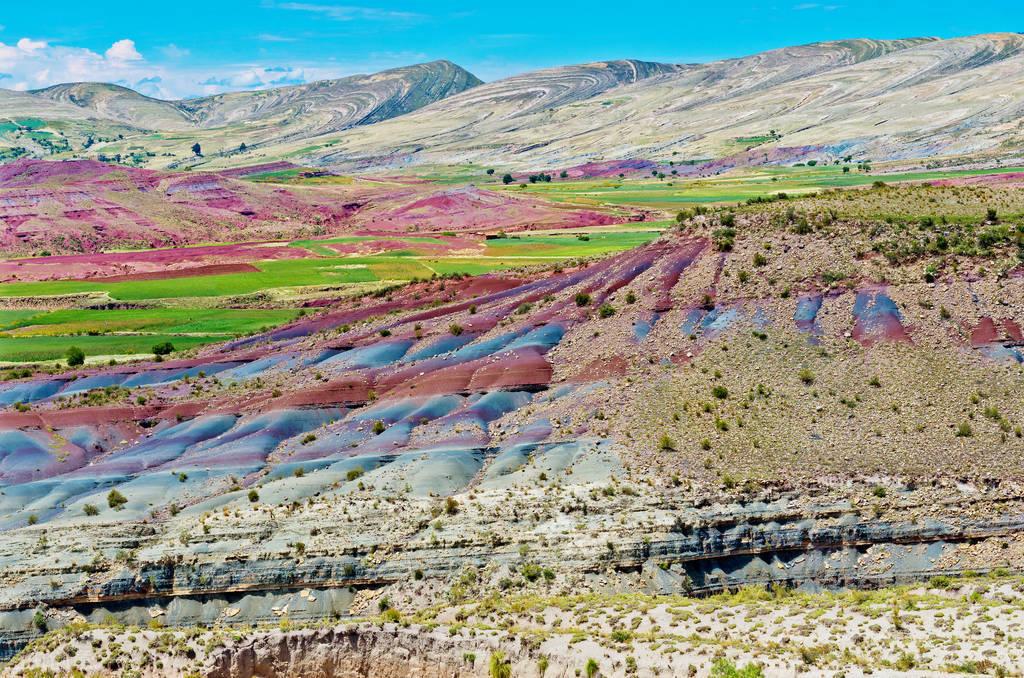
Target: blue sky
{"type": "Point", "coordinates": [176, 48]}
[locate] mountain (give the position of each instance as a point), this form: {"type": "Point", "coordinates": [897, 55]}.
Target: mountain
{"type": "Point", "coordinates": [872, 99]}
{"type": "Point", "coordinates": [113, 102]}
{"type": "Point", "coordinates": [325, 105]}
{"type": "Point", "coordinates": [116, 122]}
{"type": "Point", "coordinates": [883, 99]}
{"type": "Point", "coordinates": [337, 104]}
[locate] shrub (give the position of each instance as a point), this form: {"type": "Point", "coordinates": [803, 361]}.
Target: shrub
{"type": "Point", "coordinates": [606, 310]}
{"type": "Point", "coordinates": [116, 500]}
{"type": "Point", "coordinates": [378, 427]}
{"type": "Point", "coordinates": [724, 239]}
{"type": "Point", "coordinates": [720, 392]}
{"type": "Point", "coordinates": [75, 356]}
{"type": "Point", "coordinates": [500, 667]}
{"type": "Point", "coordinates": [39, 621]}
{"type": "Point", "coordinates": [666, 443]}
{"type": "Point", "coordinates": [451, 507]}
{"type": "Point", "coordinates": [165, 348]}
{"type": "Point", "coordinates": [631, 298]}
{"type": "Point", "coordinates": [455, 329]}
{"type": "Point", "coordinates": [723, 668]}
{"type": "Point", "coordinates": [760, 259]}
{"type": "Point", "coordinates": [531, 571]}
{"type": "Point", "coordinates": [254, 496]}
{"type": "Point", "coordinates": [582, 299]}
{"type": "Point", "coordinates": [591, 668]}
{"type": "Point", "coordinates": [90, 510]}
{"type": "Point", "coordinates": [353, 474]}
{"type": "Point", "coordinates": [806, 376]}
{"type": "Point", "coordinates": [964, 430]}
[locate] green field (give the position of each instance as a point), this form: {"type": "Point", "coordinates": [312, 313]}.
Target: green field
{"type": "Point", "coordinates": [732, 187]}
{"type": "Point", "coordinates": [231, 322]}
{"type": "Point", "coordinates": [35, 335]}
{"type": "Point", "coordinates": [336, 270]}
{"type": "Point", "coordinates": [35, 349]}
{"type": "Point", "coordinates": [563, 246]}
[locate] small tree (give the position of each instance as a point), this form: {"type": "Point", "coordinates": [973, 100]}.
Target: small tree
{"type": "Point", "coordinates": [490, 172]}
{"type": "Point", "coordinates": [507, 179]}
{"type": "Point", "coordinates": [75, 356]}
{"type": "Point", "coordinates": [165, 348]}
{"type": "Point", "coordinates": [197, 150]}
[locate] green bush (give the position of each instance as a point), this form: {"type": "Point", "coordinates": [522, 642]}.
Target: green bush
{"type": "Point", "coordinates": [116, 500]}
{"type": "Point", "coordinates": [164, 348]}
{"type": "Point", "coordinates": [500, 667]}
{"type": "Point", "coordinates": [75, 356]}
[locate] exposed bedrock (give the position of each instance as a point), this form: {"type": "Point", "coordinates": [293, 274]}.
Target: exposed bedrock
{"type": "Point", "coordinates": [389, 652]}
{"type": "Point", "coordinates": [704, 552]}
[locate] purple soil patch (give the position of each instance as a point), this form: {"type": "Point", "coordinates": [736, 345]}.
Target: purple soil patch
{"type": "Point", "coordinates": [806, 316]}
{"type": "Point", "coordinates": [678, 258]}
{"type": "Point", "coordinates": [877, 318]}
{"type": "Point", "coordinates": [611, 168]}
{"type": "Point", "coordinates": [643, 326]}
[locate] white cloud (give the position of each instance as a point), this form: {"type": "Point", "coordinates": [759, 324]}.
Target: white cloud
{"type": "Point", "coordinates": [31, 46]}
{"type": "Point", "coordinates": [350, 12]}
{"type": "Point", "coordinates": [172, 51]}
{"type": "Point", "coordinates": [123, 50]}
{"type": "Point", "coordinates": [33, 63]}
{"type": "Point", "coordinates": [270, 37]}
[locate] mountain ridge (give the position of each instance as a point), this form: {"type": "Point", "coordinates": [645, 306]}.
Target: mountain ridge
{"type": "Point", "coordinates": [874, 99]}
